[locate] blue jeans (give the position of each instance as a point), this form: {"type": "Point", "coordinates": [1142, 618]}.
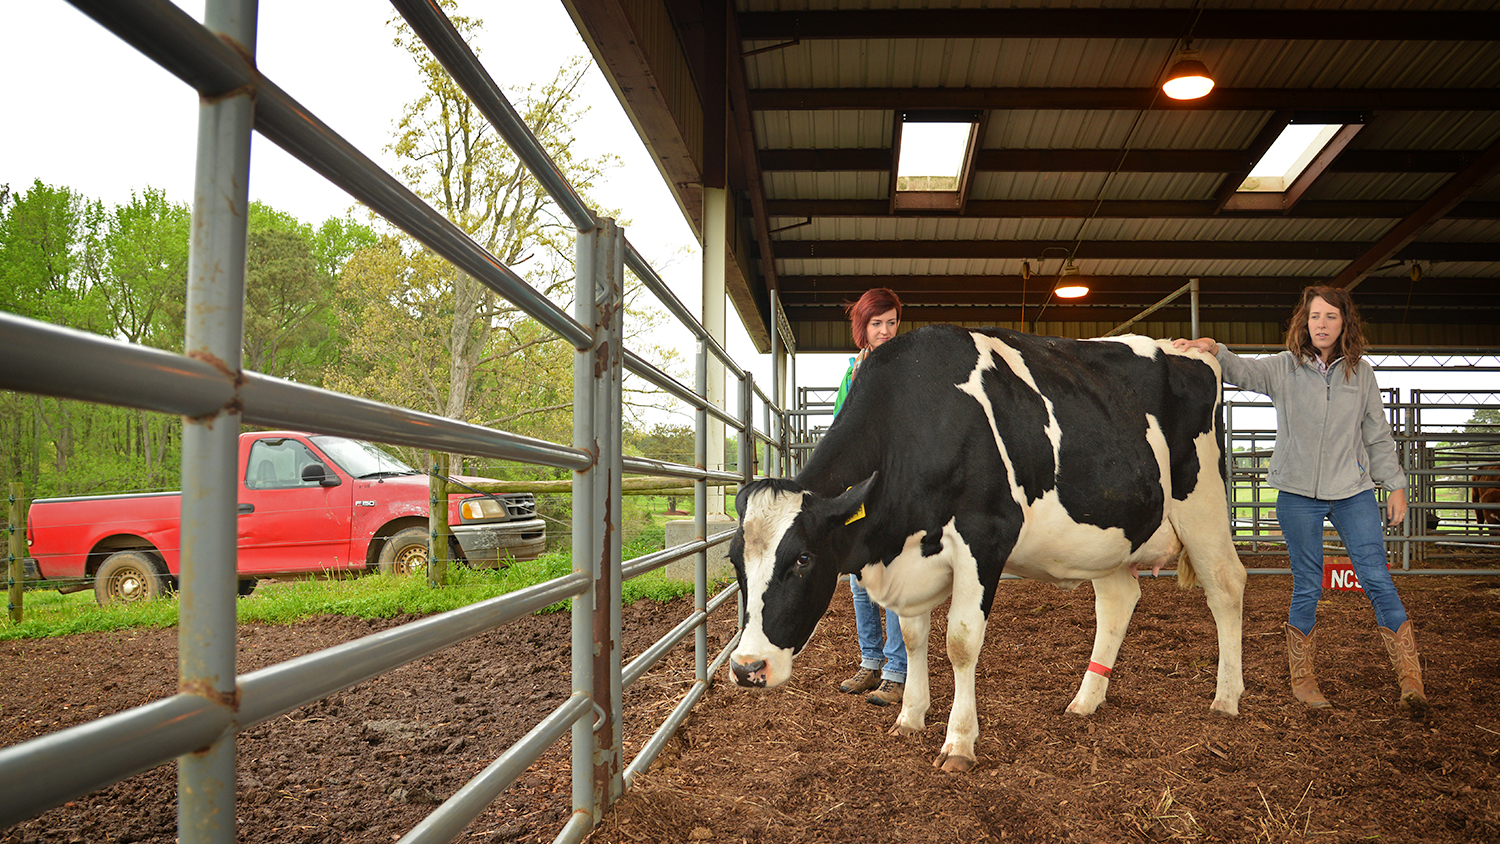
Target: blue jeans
{"type": "Point", "coordinates": [1358, 521]}
{"type": "Point", "coordinates": [877, 647]}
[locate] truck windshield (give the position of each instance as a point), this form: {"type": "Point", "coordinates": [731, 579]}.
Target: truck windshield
{"type": "Point", "coordinates": [361, 459]}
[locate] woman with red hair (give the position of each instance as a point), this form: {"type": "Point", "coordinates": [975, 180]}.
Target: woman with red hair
{"type": "Point", "coordinates": [873, 319]}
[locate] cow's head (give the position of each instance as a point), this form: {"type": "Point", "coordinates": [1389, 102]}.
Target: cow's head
{"type": "Point", "coordinates": [785, 557]}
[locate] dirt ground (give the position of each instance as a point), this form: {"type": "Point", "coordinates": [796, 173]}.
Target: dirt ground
{"type": "Point", "coordinates": [804, 763]}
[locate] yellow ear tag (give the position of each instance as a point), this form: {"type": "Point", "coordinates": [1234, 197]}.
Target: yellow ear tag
{"type": "Point", "coordinates": [860, 514]}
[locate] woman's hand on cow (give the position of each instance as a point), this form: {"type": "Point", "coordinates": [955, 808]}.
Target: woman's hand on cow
{"type": "Point", "coordinates": [1203, 344]}
{"type": "Point", "coordinates": [1395, 507]}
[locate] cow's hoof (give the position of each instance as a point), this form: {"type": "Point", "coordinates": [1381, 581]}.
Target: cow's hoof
{"type": "Point", "coordinates": [954, 764]}
{"type": "Point", "coordinates": [900, 729]}
{"type": "Point", "coordinates": [1228, 709]}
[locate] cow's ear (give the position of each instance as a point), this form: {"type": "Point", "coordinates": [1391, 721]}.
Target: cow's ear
{"type": "Point", "coordinates": [850, 507]}
{"type": "Point", "coordinates": [739, 501]}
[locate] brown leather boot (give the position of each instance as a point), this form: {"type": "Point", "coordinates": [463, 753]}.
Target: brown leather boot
{"type": "Point", "coordinates": [1401, 646]}
{"type": "Point", "coordinates": [1301, 651]}
{"type": "Point", "coordinates": [863, 680]}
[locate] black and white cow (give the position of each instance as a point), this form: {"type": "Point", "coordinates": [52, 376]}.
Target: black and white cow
{"type": "Point", "coordinates": [960, 454]}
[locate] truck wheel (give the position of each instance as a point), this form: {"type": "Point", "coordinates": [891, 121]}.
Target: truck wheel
{"type": "Point", "coordinates": [405, 553]}
{"type": "Point", "coordinates": [245, 586]}
{"type": "Point", "coordinates": [129, 577]}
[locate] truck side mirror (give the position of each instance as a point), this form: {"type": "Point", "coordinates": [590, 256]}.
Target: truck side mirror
{"type": "Point", "coordinates": [315, 473]}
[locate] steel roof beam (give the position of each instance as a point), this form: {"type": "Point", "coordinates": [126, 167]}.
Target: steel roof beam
{"type": "Point", "coordinates": [1141, 298]}
{"type": "Point", "coordinates": [1400, 237]}
{"type": "Point", "coordinates": [1110, 160]}
{"type": "Point", "coordinates": [1103, 99]}
{"type": "Point", "coordinates": [1128, 209]}
{"type": "Point", "coordinates": [738, 97]}
{"type": "Point", "coordinates": [1236, 24]}
{"type": "Point", "coordinates": [835, 289]}
{"type": "Point", "coordinates": [1115, 314]}
{"type": "Point", "coordinates": [1236, 250]}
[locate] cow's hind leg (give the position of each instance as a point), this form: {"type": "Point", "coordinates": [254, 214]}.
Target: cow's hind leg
{"type": "Point", "coordinates": [1202, 523]}
{"type": "Point", "coordinates": [1115, 597]}
{"type": "Point", "coordinates": [966, 625]}
{"type": "Point", "coordinates": [1222, 576]}
{"type": "Point", "coordinates": [916, 698]}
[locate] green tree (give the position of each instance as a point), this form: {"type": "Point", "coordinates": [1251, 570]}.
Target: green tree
{"type": "Point", "coordinates": [141, 269]}
{"type": "Point", "coordinates": [1486, 420]}
{"type": "Point", "coordinates": [336, 241]}
{"type": "Point", "coordinates": [663, 441]}
{"type": "Point", "coordinates": [137, 267]}
{"type": "Point", "coordinates": [45, 236]}
{"type": "Point", "coordinates": [285, 295]}
{"type": "Point", "coordinates": [455, 160]}
{"type": "Point", "coordinates": [48, 239]}
{"type": "Point", "coordinates": [291, 283]}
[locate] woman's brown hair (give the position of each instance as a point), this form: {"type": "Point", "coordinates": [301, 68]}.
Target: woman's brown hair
{"type": "Point", "coordinates": [1351, 342]}
{"type": "Point", "coordinates": [876, 301]}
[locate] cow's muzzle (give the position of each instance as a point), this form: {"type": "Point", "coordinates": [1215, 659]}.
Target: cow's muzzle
{"type": "Point", "coordinates": [753, 674]}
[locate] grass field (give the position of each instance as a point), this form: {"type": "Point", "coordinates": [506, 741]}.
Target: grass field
{"type": "Point", "coordinates": [49, 613]}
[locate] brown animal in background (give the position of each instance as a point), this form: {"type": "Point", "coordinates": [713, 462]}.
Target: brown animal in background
{"type": "Point", "coordinates": [1487, 495]}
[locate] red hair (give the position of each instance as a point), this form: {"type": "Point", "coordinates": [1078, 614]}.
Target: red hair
{"type": "Point", "coordinates": [876, 301]}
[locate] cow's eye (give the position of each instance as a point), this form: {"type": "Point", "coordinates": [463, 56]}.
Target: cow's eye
{"type": "Point", "coordinates": [804, 562]}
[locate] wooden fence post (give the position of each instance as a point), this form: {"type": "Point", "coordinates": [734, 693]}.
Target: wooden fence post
{"type": "Point", "coordinates": [437, 521]}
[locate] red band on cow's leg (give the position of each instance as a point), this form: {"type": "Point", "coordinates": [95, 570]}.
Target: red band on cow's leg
{"type": "Point", "coordinates": [1102, 670]}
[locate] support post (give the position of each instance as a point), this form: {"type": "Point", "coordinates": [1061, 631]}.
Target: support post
{"type": "Point", "coordinates": [715, 253]}
{"type": "Point", "coordinates": [596, 639]}
{"type": "Point", "coordinates": [773, 430]}
{"type": "Point", "coordinates": [210, 445]}
{"type": "Point", "coordinates": [1193, 306]}
{"type": "Point", "coordinates": [700, 515]}
{"type": "Point", "coordinates": [747, 429]}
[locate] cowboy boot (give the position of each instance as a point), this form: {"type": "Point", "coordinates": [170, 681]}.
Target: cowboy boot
{"type": "Point", "coordinates": [1401, 646]}
{"type": "Point", "coordinates": [1301, 650]}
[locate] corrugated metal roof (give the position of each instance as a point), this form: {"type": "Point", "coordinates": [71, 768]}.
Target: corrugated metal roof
{"type": "Point", "coordinates": [1081, 152]}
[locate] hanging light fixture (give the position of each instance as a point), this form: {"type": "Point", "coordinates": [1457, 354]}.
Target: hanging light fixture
{"type": "Point", "coordinates": [1188, 79]}
{"type": "Point", "coordinates": [1070, 284]}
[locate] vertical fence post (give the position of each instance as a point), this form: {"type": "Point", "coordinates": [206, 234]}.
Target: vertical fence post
{"type": "Point", "coordinates": [15, 571]}
{"type": "Point", "coordinates": [700, 511]}
{"type": "Point", "coordinates": [609, 285]}
{"type": "Point", "coordinates": [747, 428]}
{"type": "Point", "coordinates": [585, 555]}
{"type": "Point", "coordinates": [799, 431]}
{"type": "Point", "coordinates": [773, 433]}
{"type": "Point", "coordinates": [770, 453]}
{"type": "Point", "coordinates": [599, 372]}
{"type": "Point", "coordinates": [437, 520]}
{"type": "Point", "coordinates": [210, 446]}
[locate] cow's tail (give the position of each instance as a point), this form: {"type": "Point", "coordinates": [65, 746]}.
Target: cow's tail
{"type": "Point", "coordinates": [1187, 576]}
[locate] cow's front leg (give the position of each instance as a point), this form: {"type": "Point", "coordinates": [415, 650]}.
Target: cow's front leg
{"type": "Point", "coordinates": [1115, 596]}
{"type": "Point", "coordinates": [917, 697]}
{"type": "Point", "coordinates": [965, 638]}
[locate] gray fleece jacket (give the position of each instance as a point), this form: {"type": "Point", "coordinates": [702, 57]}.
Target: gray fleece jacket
{"type": "Point", "coordinates": [1332, 437]}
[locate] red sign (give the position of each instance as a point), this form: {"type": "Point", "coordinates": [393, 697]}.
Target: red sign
{"type": "Point", "coordinates": [1338, 573]}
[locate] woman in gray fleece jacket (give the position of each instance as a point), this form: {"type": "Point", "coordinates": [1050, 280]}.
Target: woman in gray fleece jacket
{"type": "Point", "coordinates": [1333, 444]}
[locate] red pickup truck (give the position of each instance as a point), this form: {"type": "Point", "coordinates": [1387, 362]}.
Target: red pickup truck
{"type": "Point", "coordinates": [308, 504]}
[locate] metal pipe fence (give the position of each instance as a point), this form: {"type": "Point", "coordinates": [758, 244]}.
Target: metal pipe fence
{"type": "Point", "coordinates": [1443, 449]}
{"type": "Point", "coordinates": [210, 389]}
